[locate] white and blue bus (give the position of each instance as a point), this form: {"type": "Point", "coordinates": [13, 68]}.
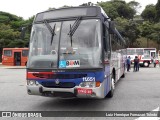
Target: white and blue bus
{"type": "Point", "coordinates": [75, 52]}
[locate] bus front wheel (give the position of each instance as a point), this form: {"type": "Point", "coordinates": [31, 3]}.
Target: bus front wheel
{"type": "Point", "coordinates": [110, 94]}
{"type": "Point", "coordinates": [146, 64]}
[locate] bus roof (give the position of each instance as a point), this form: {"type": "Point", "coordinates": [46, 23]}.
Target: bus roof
{"type": "Point", "coordinates": [70, 12]}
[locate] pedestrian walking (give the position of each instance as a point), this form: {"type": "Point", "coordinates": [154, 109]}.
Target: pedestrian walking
{"type": "Point", "coordinates": [128, 63]}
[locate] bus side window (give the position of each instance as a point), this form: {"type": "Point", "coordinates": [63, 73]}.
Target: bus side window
{"type": "Point", "coordinates": [8, 53]}
{"type": "Point", "coordinates": [24, 53]}
{"type": "Point", "coordinates": [107, 47]}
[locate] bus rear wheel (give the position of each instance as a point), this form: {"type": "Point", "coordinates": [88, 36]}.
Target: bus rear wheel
{"type": "Point", "coordinates": [123, 76]}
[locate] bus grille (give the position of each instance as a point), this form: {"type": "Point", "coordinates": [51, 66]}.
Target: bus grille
{"type": "Point", "coordinates": [60, 85]}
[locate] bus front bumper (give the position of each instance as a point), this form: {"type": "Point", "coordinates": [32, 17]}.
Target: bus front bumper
{"type": "Point", "coordinates": [77, 91]}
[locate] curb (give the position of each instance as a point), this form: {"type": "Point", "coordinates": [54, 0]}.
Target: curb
{"type": "Point", "coordinates": [12, 67]}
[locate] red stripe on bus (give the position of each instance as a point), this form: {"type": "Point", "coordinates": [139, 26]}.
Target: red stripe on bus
{"type": "Point", "coordinates": [39, 75]}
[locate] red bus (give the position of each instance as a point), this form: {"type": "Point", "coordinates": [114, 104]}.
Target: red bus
{"type": "Point", "coordinates": [15, 56]}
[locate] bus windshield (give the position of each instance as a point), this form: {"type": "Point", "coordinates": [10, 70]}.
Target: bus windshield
{"type": "Point", "coordinates": [81, 50]}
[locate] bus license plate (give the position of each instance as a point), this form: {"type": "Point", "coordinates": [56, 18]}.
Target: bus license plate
{"type": "Point", "coordinates": [84, 91]}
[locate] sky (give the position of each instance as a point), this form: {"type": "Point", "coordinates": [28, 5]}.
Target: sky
{"type": "Point", "coordinates": [28, 8]}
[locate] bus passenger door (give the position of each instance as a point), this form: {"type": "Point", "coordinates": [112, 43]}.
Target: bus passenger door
{"type": "Point", "coordinates": [17, 58]}
{"type": "Point", "coordinates": [159, 55]}
{"type": "Point", "coordinates": [152, 54]}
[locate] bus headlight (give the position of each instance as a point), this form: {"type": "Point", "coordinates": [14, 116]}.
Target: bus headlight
{"type": "Point", "coordinates": [88, 84]}
{"type": "Point", "coordinates": [32, 82]}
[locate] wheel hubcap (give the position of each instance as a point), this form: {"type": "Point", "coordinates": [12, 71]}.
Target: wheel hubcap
{"type": "Point", "coordinates": [113, 84]}
{"type": "Point", "coordinates": [145, 64]}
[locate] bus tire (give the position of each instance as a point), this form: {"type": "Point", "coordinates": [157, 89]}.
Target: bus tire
{"type": "Point", "coordinates": [123, 76]}
{"type": "Point", "coordinates": [110, 94]}
{"type": "Point", "coordinates": [146, 64]}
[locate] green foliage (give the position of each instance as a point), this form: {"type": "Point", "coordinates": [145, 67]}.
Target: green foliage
{"type": "Point", "coordinates": [7, 17]}
{"type": "Point", "coordinates": [6, 32]}
{"type": "Point", "coordinates": [146, 29]}
{"type": "Point", "coordinates": [132, 32]}
{"type": "Point", "coordinates": [150, 31]}
{"type": "Point", "coordinates": [121, 23]}
{"type": "Point", "coordinates": [155, 35]}
{"type": "Point", "coordinates": [87, 4]}
{"type": "Point", "coordinates": [118, 8]}
{"type": "Point", "coordinates": [4, 19]}
{"type": "Point", "coordinates": [10, 30]}
{"type": "Point", "coordinates": [149, 13]}
{"type": "Point", "coordinates": [158, 11]}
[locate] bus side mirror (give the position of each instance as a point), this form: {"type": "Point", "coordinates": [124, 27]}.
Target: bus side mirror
{"type": "Point", "coordinates": [23, 32]}
{"type": "Point", "coordinates": [111, 27]}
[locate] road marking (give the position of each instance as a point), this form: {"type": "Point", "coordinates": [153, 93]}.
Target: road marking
{"type": "Point", "coordinates": [150, 118]}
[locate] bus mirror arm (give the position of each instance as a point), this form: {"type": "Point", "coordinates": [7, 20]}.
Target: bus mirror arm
{"type": "Point", "coordinates": [109, 54]}
{"type": "Point", "coordinates": [111, 27]}
{"type": "Point", "coordinates": [23, 31]}
{"type": "Point", "coordinates": [105, 19]}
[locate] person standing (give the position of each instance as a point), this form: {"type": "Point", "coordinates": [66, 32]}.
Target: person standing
{"type": "Point", "coordinates": [154, 61]}
{"type": "Point", "coordinates": [136, 64]}
{"type": "Point", "coordinates": [128, 63]}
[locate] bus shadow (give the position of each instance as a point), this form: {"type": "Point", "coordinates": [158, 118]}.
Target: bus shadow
{"type": "Point", "coordinates": [72, 104]}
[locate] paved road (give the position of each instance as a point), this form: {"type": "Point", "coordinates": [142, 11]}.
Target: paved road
{"type": "Point", "coordinates": [138, 91]}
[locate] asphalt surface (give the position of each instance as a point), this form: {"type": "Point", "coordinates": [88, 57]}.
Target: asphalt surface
{"type": "Point", "coordinates": [138, 91]}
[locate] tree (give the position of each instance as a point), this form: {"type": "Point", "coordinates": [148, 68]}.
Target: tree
{"type": "Point", "coordinates": [146, 30]}
{"type": "Point", "coordinates": [155, 35]}
{"type": "Point", "coordinates": [132, 32]}
{"type": "Point", "coordinates": [6, 32]}
{"type": "Point", "coordinates": [149, 13]}
{"type": "Point", "coordinates": [121, 23]}
{"type": "Point", "coordinates": [125, 11]}
{"type": "Point", "coordinates": [129, 29]}
{"type": "Point", "coordinates": [134, 5]}
{"type": "Point", "coordinates": [87, 4]}
{"type": "Point", "coordinates": [7, 17]}
{"type": "Point", "coordinates": [118, 8]}
{"type": "Point", "coordinates": [158, 11]}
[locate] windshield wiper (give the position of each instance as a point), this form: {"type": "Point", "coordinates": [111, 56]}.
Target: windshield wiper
{"type": "Point", "coordinates": [52, 30]}
{"type": "Point", "coordinates": [74, 27]}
